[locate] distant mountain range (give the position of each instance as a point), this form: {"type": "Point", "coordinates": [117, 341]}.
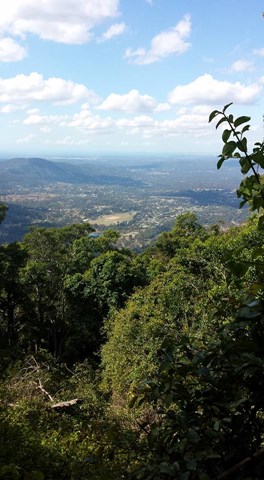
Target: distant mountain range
{"type": "Point", "coordinates": [30, 172]}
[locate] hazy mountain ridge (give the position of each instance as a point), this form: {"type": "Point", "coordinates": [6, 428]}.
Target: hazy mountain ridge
{"type": "Point", "coordinates": [39, 171]}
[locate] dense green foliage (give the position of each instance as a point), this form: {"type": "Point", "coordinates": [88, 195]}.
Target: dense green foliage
{"type": "Point", "coordinates": [149, 366]}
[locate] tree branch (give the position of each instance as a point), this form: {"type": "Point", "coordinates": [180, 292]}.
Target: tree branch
{"type": "Point", "coordinates": [244, 463]}
{"type": "Point", "coordinates": [40, 387]}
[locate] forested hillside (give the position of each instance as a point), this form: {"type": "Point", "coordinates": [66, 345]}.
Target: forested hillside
{"type": "Point", "coordinates": [116, 365]}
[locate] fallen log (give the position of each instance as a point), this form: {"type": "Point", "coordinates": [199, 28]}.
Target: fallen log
{"type": "Point", "coordinates": [65, 404]}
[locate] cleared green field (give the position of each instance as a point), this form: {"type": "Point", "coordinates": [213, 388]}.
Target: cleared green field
{"type": "Point", "coordinates": [112, 219]}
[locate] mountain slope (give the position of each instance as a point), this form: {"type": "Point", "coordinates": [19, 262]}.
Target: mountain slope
{"type": "Point", "coordinates": [39, 171]}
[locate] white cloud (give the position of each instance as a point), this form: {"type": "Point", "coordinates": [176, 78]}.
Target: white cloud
{"type": "Point", "coordinates": [9, 108]}
{"type": "Point", "coordinates": [132, 102]}
{"type": "Point", "coordinates": [45, 119]}
{"type": "Point", "coordinates": [85, 120]}
{"type": "Point", "coordinates": [259, 52]}
{"type": "Point", "coordinates": [163, 107]}
{"type": "Point", "coordinates": [242, 66]}
{"type": "Point", "coordinates": [169, 42]}
{"type": "Point", "coordinates": [26, 139]}
{"type": "Point", "coordinates": [32, 111]}
{"type": "Point", "coordinates": [11, 51]}
{"type": "Point", "coordinates": [65, 141]}
{"type": "Point", "coordinates": [209, 91]}
{"type": "Point", "coordinates": [191, 123]}
{"type": "Point", "coordinates": [66, 21]}
{"type": "Point", "coordinates": [23, 89]}
{"type": "Point", "coordinates": [115, 30]}
{"type": "Point", "coordinates": [129, 102]}
{"type": "Point", "coordinates": [136, 122]}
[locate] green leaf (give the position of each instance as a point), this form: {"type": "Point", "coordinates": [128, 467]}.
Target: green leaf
{"type": "Point", "coordinates": [185, 476]}
{"type": "Point", "coordinates": [229, 148]}
{"type": "Point", "coordinates": [255, 288]}
{"type": "Point", "coordinates": [220, 162]}
{"type": "Point", "coordinates": [245, 128]}
{"type": "Point", "coordinates": [242, 203]}
{"type": "Point", "coordinates": [226, 135]}
{"type": "Point", "coordinates": [258, 252]}
{"type": "Point", "coordinates": [241, 120]}
{"type": "Point", "coordinates": [193, 436]}
{"type": "Point", "coordinates": [191, 465]}
{"type": "Point", "coordinates": [257, 203]}
{"type": "Point", "coordinates": [91, 460]}
{"type": "Point", "coordinates": [166, 467]}
{"type": "Point", "coordinates": [36, 475]}
{"type": "Point", "coordinates": [238, 268]}
{"type": "Point", "coordinates": [220, 121]}
{"type": "Point", "coordinates": [258, 157]}
{"type": "Point", "coordinates": [213, 115]}
{"type": "Point", "coordinates": [226, 106]}
{"type": "Point", "coordinates": [217, 425]}
{"type": "Point", "coordinates": [261, 221]}
{"type": "Point", "coordinates": [242, 145]}
{"type": "Point", "coordinates": [245, 165]}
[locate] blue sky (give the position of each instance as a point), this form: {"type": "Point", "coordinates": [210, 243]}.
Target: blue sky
{"type": "Point", "coordinates": [84, 77]}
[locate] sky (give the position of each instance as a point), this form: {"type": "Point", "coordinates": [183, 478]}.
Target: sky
{"type": "Point", "coordinates": [122, 77]}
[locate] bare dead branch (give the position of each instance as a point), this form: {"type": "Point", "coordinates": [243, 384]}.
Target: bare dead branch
{"type": "Point", "coordinates": [244, 463]}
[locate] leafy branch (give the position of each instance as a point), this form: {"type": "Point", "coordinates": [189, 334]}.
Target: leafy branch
{"type": "Point", "coordinates": [251, 189]}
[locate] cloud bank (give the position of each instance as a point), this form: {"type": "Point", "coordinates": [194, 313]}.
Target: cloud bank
{"type": "Point", "coordinates": [67, 21]}
{"type": "Point", "coordinates": [23, 89]}
{"type": "Point", "coordinates": [209, 91]}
